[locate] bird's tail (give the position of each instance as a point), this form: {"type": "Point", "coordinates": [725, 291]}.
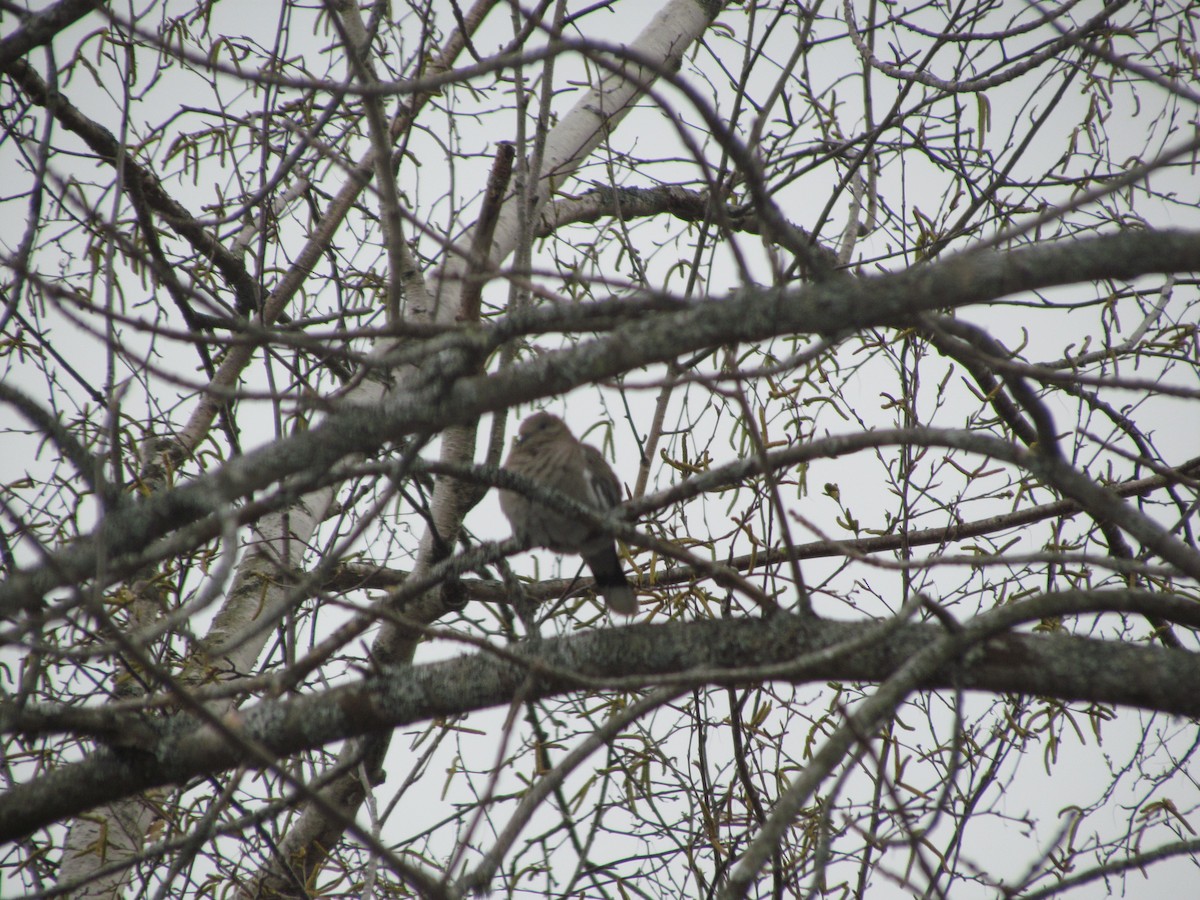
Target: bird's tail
{"type": "Point", "coordinates": [611, 581]}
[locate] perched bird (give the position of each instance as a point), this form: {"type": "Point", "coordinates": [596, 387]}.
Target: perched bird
{"type": "Point", "coordinates": [548, 454]}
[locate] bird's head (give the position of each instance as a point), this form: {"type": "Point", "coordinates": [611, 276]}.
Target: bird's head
{"type": "Point", "coordinates": [542, 426]}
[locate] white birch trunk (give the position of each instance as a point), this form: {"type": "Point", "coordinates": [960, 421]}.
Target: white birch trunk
{"type": "Point", "coordinates": [118, 831]}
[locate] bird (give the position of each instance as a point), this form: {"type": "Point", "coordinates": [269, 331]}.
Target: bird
{"type": "Point", "coordinates": [545, 452]}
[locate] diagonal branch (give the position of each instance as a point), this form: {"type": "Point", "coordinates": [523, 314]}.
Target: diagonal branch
{"type": "Point", "coordinates": [443, 396]}
{"type": "Point", "coordinates": [39, 29]}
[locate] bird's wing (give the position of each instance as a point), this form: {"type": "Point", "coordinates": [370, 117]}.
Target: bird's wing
{"type": "Point", "coordinates": [601, 479]}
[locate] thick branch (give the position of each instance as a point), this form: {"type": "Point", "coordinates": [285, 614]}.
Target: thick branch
{"type": "Point", "coordinates": [38, 30]}
{"type": "Point", "coordinates": [449, 393]}
{"type": "Point", "coordinates": [706, 652]}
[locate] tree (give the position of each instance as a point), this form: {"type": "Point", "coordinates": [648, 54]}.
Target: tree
{"type": "Point", "coordinates": [885, 315]}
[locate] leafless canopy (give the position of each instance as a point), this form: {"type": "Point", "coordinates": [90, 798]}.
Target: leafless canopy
{"type": "Point", "coordinates": [885, 314]}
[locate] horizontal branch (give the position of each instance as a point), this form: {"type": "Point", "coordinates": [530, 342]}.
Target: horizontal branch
{"type": "Point", "coordinates": [799, 650]}
{"type": "Point", "coordinates": [372, 575]}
